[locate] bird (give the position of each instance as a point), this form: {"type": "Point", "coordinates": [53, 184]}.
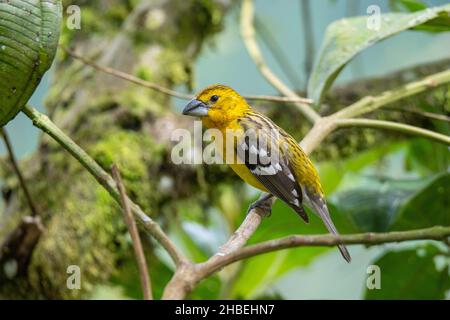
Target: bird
{"type": "Point", "coordinates": [263, 154]}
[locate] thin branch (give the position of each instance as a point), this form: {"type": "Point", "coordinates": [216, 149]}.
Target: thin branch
{"type": "Point", "coordinates": [425, 114]}
{"type": "Point", "coordinates": [248, 35]}
{"type": "Point", "coordinates": [369, 103]}
{"type": "Point", "coordinates": [134, 233]}
{"type": "Point", "coordinates": [389, 125]}
{"type": "Point", "coordinates": [245, 230]}
{"type": "Point", "coordinates": [169, 92]}
{"type": "Point", "coordinates": [127, 76]}
{"type": "Point", "coordinates": [435, 233]}
{"type": "Point", "coordinates": [278, 99]}
{"type": "Point", "coordinates": [42, 122]}
{"type": "Point", "coordinates": [15, 165]}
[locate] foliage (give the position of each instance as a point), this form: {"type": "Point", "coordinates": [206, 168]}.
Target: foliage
{"type": "Point", "coordinates": [421, 273]}
{"type": "Point", "coordinates": [345, 38]}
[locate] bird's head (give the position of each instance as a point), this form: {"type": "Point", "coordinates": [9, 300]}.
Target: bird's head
{"type": "Point", "coordinates": [217, 105]}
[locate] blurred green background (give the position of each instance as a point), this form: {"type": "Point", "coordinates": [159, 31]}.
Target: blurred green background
{"type": "Point", "coordinates": [397, 184]}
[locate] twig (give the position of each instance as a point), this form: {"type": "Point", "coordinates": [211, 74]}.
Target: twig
{"type": "Point", "coordinates": [23, 185]}
{"type": "Point", "coordinates": [42, 122]}
{"type": "Point", "coordinates": [169, 92]}
{"type": "Point", "coordinates": [248, 35]}
{"type": "Point", "coordinates": [245, 230]}
{"type": "Point", "coordinates": [132, 229]}
{"type": "Point", "coordinates": [389, 125]}
{"type": "Point", "coordinates": [369, 103]}
{"type": "Point", "coordinates": [425, 114]}
{"type": "Point", "coordinates": [435, 233]}
{"type": "Point", "coordinates": [127, 76]}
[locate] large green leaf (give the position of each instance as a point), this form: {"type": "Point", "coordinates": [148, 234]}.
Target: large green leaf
{"type": "Point", "coordinates": [412, 274]}
{"type": "Point", "coordinates": [381, 205]}
{"type": "Point", "coordinates": [345, 38]}
{"type": "Point", "coordinates": [29, 33]}
{"type": "Point", "coordinates": [427, 207]}
{"type": "Point", "coordinates": [407, 5]}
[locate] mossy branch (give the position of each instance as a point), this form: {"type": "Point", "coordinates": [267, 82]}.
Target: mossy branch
{"type": "Point", "coordinates": [42, 122]}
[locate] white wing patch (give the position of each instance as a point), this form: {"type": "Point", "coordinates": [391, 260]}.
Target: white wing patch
{"type": "Point", "coordinates": [268, 163]}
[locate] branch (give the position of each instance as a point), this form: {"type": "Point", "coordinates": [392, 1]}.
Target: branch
{"type": "Point", "coordinates": [134, 233]}
{"type": "Point", "coordinates": [389, 125]}
{"type": "Point", "coordinates": [248, 35]}
{"type": "Point", "coordinates": [167, 91]}
{"type": "Point", "coordinates": [425, 114]}
{"type": "Point", "coordinates": [42, 122]}
{"type": "Point", "coordinates": [23, 185]}
{"type": "Point", "coordinates": [369, 103]}
{"type": "Point", "coordinates": [245, 230]}
{"type": "Point", "coordinates": [437, 233]}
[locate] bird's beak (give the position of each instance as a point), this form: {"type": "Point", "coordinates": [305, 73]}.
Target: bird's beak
{"type": "Point", "coordinates": [196, 108]}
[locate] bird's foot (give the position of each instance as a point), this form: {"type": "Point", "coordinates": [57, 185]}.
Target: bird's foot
{"type": "Point", "coordinates": [264, 203]}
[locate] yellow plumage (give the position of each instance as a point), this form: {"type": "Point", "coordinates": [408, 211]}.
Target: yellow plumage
{"type": "Point", "coordinates": [290, 176]}
{"type": "Point", "coordinates": [224, 115]}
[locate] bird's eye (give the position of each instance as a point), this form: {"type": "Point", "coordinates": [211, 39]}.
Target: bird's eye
{"type": "Point", "coordinates": [214, 98]}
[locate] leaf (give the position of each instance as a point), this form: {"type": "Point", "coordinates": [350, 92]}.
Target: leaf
{"type": "Point", "coordinates": [332, 172]}
{"type": "Point", "coordinates": [412, 274]}
{"type": "Point", "coordinates": [408, 5]}
{"type": "Point", "coordinates": [380, 205]}
{"type": "Point", "coordinates": [345, 38]}
{"type": "Point", "coordinates": [426, 208]}
{"type": "Point", "coordinates": [29, 33]}
{"type": "Point", "coordinates": [427, 157]}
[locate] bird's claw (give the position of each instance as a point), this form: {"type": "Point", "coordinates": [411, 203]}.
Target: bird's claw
{"type": "Point", "coordinates": [265, 204]}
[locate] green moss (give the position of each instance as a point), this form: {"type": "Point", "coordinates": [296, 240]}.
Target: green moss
{"type": "Point", "coordinates": [174, 64]}
{"type": "Point", "coordinates": [84, 226]}
{"type": "Point", "coordinates": [133, 153]}
{"type": "Point", "coordinates": [144, 72]}
{"type": "Point", "coordinates": [83, 233]}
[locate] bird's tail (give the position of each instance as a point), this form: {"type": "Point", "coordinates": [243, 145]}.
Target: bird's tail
{"type": "Point", "coordinates": [332, 229]}
{"type": "Point", "coordinates": [321, 209]}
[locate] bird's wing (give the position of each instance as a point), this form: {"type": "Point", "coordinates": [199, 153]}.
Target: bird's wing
{"type": "Point", "coordinates": [259, 148]}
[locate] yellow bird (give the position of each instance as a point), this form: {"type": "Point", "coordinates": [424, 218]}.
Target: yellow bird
{"type": "Point", "coordinates": [265, 156]}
